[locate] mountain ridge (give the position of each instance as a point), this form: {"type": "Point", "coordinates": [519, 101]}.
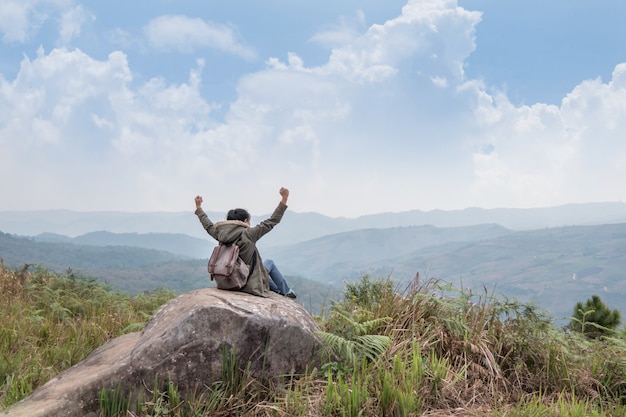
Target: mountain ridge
{"type": "Point", "coordinates": [176, 243]}
{"type": "Point", "coordinates": [299, 227]}
{"type": "Point", "coordinates": [333, 250]}
{"type": "Point", "coordinates": [554, 267]}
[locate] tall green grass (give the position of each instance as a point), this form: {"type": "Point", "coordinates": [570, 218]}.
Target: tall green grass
{"type": "Point", "coordinates": [429, 349]}
{"type": "Point", "coordinates": [50, 322]}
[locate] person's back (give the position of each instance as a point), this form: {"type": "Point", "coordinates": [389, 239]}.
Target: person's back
{"type": "Point", "coordinates": [237, 228]}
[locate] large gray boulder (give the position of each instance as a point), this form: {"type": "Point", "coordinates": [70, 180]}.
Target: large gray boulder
{"type": "Point", "coordinates": [184, 343]}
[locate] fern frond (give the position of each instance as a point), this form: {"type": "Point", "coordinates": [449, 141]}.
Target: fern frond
{"type": "Point", "coordinates": [368, 326]}
{"type": "Point", "coordinates": [372, 345]}
{"type": "Point", "coordinates": [340, 346]}
{"type": "Point", "coordinates": [347, 318]}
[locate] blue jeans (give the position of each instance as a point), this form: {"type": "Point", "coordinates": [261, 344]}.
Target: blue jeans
{"type": "Point", "coordinates": [277, 281]}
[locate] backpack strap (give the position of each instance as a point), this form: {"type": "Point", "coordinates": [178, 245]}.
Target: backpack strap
{"type": "Point", "coordinates": [254, 255]}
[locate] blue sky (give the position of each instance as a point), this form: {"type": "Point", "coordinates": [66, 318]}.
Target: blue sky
{"type": "Point", "coordinates": [358, 107]}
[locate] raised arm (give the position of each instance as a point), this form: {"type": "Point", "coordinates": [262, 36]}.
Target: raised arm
{"type": "Point", "coordinates": [265, 226]}
{"type": "Point", "coordinates": [207, 224]}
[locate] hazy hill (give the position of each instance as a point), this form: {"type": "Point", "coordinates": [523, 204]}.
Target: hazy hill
{"type": "Point", "coordinates": [176, 243]}
{"type": "Point", "coordinates": [19, 250]}
{"type": "Point", "coordinates": [340, 256]}
{"type": "Point", "coordinates": [511, 218]}
{"type": "Point", "coordinates": [133, 269]}
{"type": "Point", "coordinates": [301, 227]}
{"type": "Point", "coordinates": [554, 267]}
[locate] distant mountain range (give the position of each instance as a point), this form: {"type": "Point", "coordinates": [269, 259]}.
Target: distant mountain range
{"type": "Point", "coordinates": [554, 256]}
{"type": "Point", "coordinates": [300, 227]}
{"type": "Point", "coordinates": [554, 267]}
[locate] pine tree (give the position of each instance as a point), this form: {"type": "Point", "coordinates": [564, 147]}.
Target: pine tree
{"type": "Point", "coordinates": [594, 318]}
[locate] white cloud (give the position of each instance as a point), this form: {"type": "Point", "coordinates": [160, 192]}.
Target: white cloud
{"type": "Point", "coordinates": [388, 123]}
{"type": "Point", "coordinates": [14, 21]}
{"type": "Point", "coordinates": [67, 115]}
{"type": "Point", "coordinates": [435, 37]}
{"type": "Point", "coordinates": [342, 33]}
{"type": "Point", "coordinates": [71, 23]}
{"type": "Point", "coordinates": [186, 34]}
{"type": "Point", "coordinates": [538, 154]}
{"type": "Point", "coordinates": [554, 155]}
{"type": "Point", "coordinates": [101, 122]}
{"type": "Point", "coordinates": [21, 19]}
{"type": "Point", "coordinates": [440, 81]}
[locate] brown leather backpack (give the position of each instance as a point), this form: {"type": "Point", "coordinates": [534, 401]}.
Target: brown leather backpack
{"type": "Point", "coordinates": [227, 269]}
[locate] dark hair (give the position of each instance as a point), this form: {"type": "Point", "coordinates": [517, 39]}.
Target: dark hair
{"type": "Point", "coordinates": [238, 214]}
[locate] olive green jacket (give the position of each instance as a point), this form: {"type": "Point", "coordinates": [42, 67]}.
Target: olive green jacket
{"type": "Point", "coordinates": [230, 230]}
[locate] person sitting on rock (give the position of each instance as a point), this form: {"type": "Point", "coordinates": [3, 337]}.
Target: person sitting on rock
{"type": "Point", "coordinates": [264, 276]}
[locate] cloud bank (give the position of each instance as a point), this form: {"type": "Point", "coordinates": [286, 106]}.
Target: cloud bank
{"type": "Point", "coordinates": [389, 122]}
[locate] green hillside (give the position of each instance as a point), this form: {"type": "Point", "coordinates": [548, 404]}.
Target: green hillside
{"type": "Point", "coordinates": [135, 270]}
{"type": "Point", "coordinates": [176, 243]}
